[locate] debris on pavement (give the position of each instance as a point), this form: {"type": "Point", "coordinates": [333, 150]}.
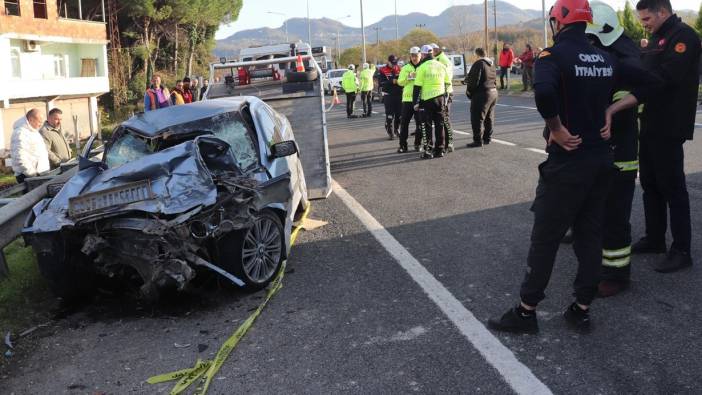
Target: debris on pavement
{"type": "Point", "coordinates": [8, 340]}
{"type": "Point", "coordinates": [177, 345]}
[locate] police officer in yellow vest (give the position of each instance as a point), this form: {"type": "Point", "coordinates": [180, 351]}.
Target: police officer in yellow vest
{"type": "Point", "coordinates": [349, 83]}
{"type": "Point", "coordinates": [429, 93]}
{"type": "Point", "coordinates": [441, 57]}
{"type": "Point", "coordinates": [408, 74]}
{"type": "Point", "coordinates": [366, 81]}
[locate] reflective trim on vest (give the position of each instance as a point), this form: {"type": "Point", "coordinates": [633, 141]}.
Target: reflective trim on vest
{"type": "Point", "coordinates": [622, 252]}
{"type": "Point", "coordinates": [628, 166]}
{"type": "Point", "coordinates": [619, 95]}
{"type": "Point", "coordinates": [621, 262]}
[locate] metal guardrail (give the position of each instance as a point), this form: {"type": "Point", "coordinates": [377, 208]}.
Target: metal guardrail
{"type": "Point", "coordinates": [13, 211]}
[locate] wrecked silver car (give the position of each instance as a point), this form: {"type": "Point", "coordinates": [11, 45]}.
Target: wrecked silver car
{"type": "Point", "coordinates": [208, 186]}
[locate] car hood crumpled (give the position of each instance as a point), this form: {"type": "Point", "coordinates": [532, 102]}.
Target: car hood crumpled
{"type": "Point", "coordinates": [179, 179]}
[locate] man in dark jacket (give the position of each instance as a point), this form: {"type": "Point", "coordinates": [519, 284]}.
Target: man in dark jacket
{"type": "Point", "coordinates": [392, 95]}
{"type": "Point", "coordinates": [667, 121]}
{"type": "Point", "coordinates": [482, 91]}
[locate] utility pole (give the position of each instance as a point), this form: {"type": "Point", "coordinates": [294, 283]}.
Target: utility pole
{"type": "Point", "coordinates": [309, 26]}
{"type": "Point", "coordinates": [485, 39]}
{"type": "Point", "coordinates": [363, 33]}
{"type": "Point", "coordinates": [494, 11]}
{"type": "Point", "coordinates": [397, 26]}
{"type": "Point", "coordinates": [117, 73]}
{"type": "Point", "coordinates": [377, 35]}
{"type": "Point", "coordinates": [543, 12]}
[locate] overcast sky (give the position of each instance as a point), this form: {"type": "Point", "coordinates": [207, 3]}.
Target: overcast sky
{"type": "Point", "coordinates": [254, 12]}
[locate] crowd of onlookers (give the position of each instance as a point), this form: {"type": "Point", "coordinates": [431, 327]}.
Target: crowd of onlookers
{"type": "Point", "coordinates": [526, 60]}
{"type": "Point", "coordinates": [185, 91]}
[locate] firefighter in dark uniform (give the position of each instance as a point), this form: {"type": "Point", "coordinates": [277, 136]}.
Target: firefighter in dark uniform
{"type": "Point", "coordinates": [392, 95]}
{"type": "Point", "coordinates": [667, 121]}
{"type": "Point", "coordinates": [607, 33]}
{"type": "Point", "coordinates": [573, 86]}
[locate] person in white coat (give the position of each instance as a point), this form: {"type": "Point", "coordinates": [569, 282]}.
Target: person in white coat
{"type": "Point", "coordinates": [30, 157]}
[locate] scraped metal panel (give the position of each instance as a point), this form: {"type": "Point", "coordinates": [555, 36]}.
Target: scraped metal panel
{"type": "Point", "coordinates": [310, 129]}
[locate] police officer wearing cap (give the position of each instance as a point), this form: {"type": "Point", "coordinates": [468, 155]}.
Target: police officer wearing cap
{"type": "Point", "coordinates": [392, 95]}
{"type": "Point", "coordinates": [607, 34]}
{"type": "Point", "coordinates": [441, 57]}
{"type": "Point", "coordinates": [573, 87]}
{"type": "Point", "coordinates": [429, 93]}
{"type": "Point", "coordinates": [406, 81]}
{"type": "Point", "coordinates": [349, 83]}
{"type": "Point", "coordinates": [667, 121]}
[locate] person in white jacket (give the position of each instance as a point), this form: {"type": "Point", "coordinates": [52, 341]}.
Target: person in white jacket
{"type": "Point", "coordinates": [30, 157]}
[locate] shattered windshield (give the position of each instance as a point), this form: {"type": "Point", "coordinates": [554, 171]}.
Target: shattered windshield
{"type": "Point", "coordinates": [127, 148]}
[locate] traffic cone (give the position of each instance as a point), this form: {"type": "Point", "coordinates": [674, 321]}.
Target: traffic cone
{"type": "Point", "coordinates": [300, 66]}
{"type": "Point", "coordinates": [335, 97]}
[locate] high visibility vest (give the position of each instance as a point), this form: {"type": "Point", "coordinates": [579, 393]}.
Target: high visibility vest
{"type": "Point", "coordinates": [406, 83]}
{"type": "Point", "coordinates": [366, 80]}
{"type": "Point", "coordinates": [443, 59]}
{"type": "Point", "coordinates": [432, 78]}
{"type": "Point", "coordinates": [348, 82]}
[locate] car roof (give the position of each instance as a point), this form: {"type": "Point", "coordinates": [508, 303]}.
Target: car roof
{"type": "Point", "coordinates": [151, 123]}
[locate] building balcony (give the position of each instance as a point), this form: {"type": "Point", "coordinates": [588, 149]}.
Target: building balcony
{"type": "Point", "coordinates": [79, 86]}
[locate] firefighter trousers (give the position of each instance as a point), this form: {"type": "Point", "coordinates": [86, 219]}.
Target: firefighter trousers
{"type": "Point", "coordinates": [570, 192]}
{"type": "Point", "coordinates": [616, 243]}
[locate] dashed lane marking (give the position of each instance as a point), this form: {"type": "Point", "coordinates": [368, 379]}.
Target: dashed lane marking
{"type": "Point", "coordinates": [516, 374]}
{"type": "Point", "coordinates": [504, 142]}
{"type": "Point", "coordinates": [538, 151]}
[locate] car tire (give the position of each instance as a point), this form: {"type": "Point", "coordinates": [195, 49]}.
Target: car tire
{"type": "Point", "coordinates": [66, 270]}
{"type": "Point", "coordinates": [301, 76]}
{"type": "Point", "coordinates": [255, 254]}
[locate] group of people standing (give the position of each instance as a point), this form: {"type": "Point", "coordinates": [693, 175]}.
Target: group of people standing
{"type": "Point", "coordinates": [421, 89]}
{"type": "Point", "coordinates": [526, 60]}
{"type": "Point", "coordinates": [184, 92]}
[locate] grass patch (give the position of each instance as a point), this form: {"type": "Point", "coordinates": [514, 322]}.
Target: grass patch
{"type": "Point", "coordinates": [7, 179]}
{"type": "Point", "coordinates": [24, 293]}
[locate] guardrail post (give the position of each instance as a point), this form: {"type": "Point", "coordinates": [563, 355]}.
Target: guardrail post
{"type": "Point", "coordinates": [4, 270]}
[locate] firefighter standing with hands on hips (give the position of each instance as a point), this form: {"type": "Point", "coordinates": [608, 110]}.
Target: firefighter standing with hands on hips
{"type": "Point", "coordinates": [573, 86]}
{"type": "Point", "coordinates": [429, 93]}
{"type": "Point", "coordinates": [667, 121]}
{"type": "Point", "coordinates": [406, 81]}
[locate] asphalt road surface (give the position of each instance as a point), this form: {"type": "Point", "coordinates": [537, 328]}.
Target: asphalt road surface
{"type": "Point", "coordinates": [392, 295]}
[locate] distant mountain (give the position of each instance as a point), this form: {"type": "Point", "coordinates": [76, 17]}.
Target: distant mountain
{"type": "Point", "coordinates": [464, 18]}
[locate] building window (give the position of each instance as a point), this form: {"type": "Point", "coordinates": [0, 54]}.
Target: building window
{"type": "Point", "coordinates": [16, 66]}
{"type": "Point", "coordinates": [86, 10]}
{"type": "Point", "coordinates": [40, 9]}
{"type": "Point", "coordinates": [88, 67]}
{"type": "Point", "coordinates": [59, 66]}
{"type": "Point", "coordinates": [12, 7]}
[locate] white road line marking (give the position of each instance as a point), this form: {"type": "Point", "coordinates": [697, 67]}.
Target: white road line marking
{"type": "Point", "coordinates": [698, 125]}
{"type": "Point", "coordinates": [504, 142]}
{"type": "Point", "coordinates": [517, 375]}
{"type": "Point", "coordinates": [509, 105]}
{"type": "Point", "coordinates": [538, 151]}
{"type": "Point", "coordinates": [459, 132]}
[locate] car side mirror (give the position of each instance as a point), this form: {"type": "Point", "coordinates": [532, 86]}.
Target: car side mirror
{"type": "Point", "coordinates": [283, 149]}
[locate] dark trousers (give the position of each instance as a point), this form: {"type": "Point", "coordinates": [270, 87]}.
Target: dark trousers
{"type": "Point", "coordinates": [504, 73]}
{"type": "Point", "coordinates": [350, 99]}
{"type": "Point", "coordinates": [616, 244]}
{"type": "Point", "coordinates": [393, 112]}
{"type": "Point", "coordinates": [367, 100]}
{"type": "Point", "coordinates": [528, 77]}
{"type": "Point", "coordinates": [663, 183]}
{"type": "Point", "coordinates": [571, 192]}
{"type": "Point", "coordinates": [482, 114]}
{"type": "Point", "coordinates": [407, 114]}
{"type": "Point", "coordinates": [448, 130]}
{"type": "Point", "coordinates": [434, 120]}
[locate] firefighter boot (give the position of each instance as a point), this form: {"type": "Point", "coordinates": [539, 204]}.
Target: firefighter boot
{"type": "Point", "coordinates": [515, 320]}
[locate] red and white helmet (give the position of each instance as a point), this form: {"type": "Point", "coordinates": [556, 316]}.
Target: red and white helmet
{"type": "Point", "coordinates": [567, 12]}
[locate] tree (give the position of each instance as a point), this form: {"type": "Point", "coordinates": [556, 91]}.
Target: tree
{"type": "Point", "coordinates": [630, 23]}
{"type": "Point", "coordinates": [698, 21]}
{"type": "Point", "coordinates": [147, 16]}
{"type": "Point", "coordinates": [419, 37]}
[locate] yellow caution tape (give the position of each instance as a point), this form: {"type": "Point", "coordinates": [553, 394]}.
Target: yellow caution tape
{"type": "Point", "coordinates": [208, 369]}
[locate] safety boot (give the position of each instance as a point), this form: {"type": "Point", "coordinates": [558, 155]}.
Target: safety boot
{"type": "Point", "coordinates": [515, 321]}
{"type": "Point", "coordinates": [577, 318]}
{"type": "Point", "coordinates": [402, 149]}
{"type": "Point", "coordinates": [474, 144]}
{"type": "Point", "coordinates": [674, 261]}
{"type": "Point", "coordinates": [648, 246]}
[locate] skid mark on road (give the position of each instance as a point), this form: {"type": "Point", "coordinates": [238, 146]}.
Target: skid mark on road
{"type": "Point", "coordinates": [517, 375]}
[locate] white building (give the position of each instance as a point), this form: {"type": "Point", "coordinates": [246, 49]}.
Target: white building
{"type": "Point", "coordinates": [52, 54]}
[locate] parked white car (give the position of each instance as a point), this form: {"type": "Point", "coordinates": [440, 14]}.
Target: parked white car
{"type": "Point", "coordinates": [332, 79]}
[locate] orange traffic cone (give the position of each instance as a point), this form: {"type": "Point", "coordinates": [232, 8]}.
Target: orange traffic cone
{"type": "Point", "coordinates": [335, 97]}
{"type": "Point", "coordinates": [300, 66]}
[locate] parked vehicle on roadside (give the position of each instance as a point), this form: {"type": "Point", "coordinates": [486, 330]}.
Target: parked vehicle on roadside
{"type": "Point", "coordinates": [209, 186]}
{"type": "Point", "coordinates": [332, 80]}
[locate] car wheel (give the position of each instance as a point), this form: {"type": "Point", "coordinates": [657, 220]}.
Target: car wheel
{"type": "Point", "coordinates": [255, 254]}
{"type": "Point", "coordinates": [65, 269]}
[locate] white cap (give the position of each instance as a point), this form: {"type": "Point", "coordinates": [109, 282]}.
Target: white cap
{"type": "Point", "coordinates": [434, 46]}
{"type": "Point", "coordinates": [426, 49]}
{"type": "Point", "coordinates": [365, 66]}
{"type": "Point", "coordinates": [414, 50]}
{"type": "Point", "coordinates": [352, 67]}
